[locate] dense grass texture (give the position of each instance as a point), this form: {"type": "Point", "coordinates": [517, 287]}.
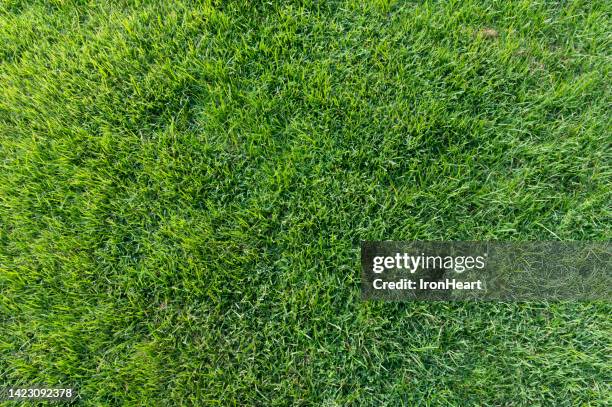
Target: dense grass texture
{"type": "Point", "coordinates": [184, 186]}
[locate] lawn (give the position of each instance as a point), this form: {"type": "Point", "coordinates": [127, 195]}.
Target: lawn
{"type": "Point", "coordinates": [184, 186]}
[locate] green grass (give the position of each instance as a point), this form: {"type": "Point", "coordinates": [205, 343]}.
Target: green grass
{"type": "Point", "coordinates": [183, 189]}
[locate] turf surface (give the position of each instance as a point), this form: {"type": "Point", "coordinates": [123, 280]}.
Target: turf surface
{"type": "Point", "coordinates": [183, 189]}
